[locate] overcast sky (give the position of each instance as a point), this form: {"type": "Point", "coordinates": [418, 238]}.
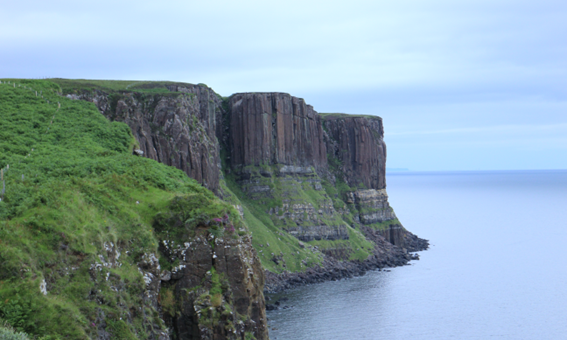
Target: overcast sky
{"type": "Point", "coordinates": [461, 85]}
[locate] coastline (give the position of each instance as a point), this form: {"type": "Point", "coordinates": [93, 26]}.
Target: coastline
{"type": "Point", "coordinates": [385, 255]}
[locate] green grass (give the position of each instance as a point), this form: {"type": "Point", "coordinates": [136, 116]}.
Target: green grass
{"type": "Point", "coordinates": [79, 190]}
{"type": "Point", "coordinates": [267, 238]}
{"type": "Point", "coordinates": [357, 246]}
{"type": "Point", "coordinates": [111, 86]}
{"type": "Point", "coordinates": [347, 115]}
{"type": "Point", "coordinates": [269, 229]}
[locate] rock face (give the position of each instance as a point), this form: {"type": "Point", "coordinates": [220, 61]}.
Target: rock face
{"type": "Point", "coordinates": [177, 128]}
{"type": "Point", "coordinates": [309, 224]}
{"type": "Point", "coordinates": [371, 205]}
{"type": "Point", "coordinates": [278, 144]}
{"type": "Point", "coordinates": [277, 150]}
{"type": "Point", "coordinates": [214, 289]}
{"type": "Point", "coordinates": [275, 128]}
{"type": "Point", "coordinates": [198, 315]}
{"type": "Point", "coordinates": [357, 143]}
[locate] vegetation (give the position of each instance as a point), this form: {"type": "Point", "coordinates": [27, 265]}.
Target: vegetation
{"type": "Point", "coordinates": [75, 198]}
{"type": "Point", "coordinates": [347, 115]}
{"type": "Point", "coordinates": [7, 332]}
{"type": "Point", "coordinates": [186, 214]}
{"type": "Point", "coordinates": [279, 250]}
{"type": "Point", "coordinates": [216, 289]}
{"type": "Point", "coordinates": [79, 212]}
{"type": "Point", "coordinates": [110, 86]}
{"type": "Point", "coordinates": [269, 238]}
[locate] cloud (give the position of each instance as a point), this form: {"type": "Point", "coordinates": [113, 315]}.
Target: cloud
{"type": "Point", "coordinates": [304, 45]}
{"type": "Point", "coordinates": [429, 68]}
{"type": "Point", "coordinates": [498, 129]}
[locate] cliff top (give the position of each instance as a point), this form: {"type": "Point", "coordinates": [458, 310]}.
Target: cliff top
{"type": "Point", "coordinates": [71, 85]}
{"type": "Point", "coordinates": [336, 115]}
{"type": "Point", "coordinates": [273, 92]}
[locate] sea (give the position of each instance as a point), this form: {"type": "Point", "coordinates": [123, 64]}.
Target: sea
{"type": "Point", "coordinates": [495, 268]}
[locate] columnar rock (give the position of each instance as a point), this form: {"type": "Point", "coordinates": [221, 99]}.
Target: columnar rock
{"type": "Point", "coordinates": [278, 135]}
{"type": "Point", "coordinates": [357, 145]}
{"type": "Point", "coordinates": [275, 128]}
{"type": "Point", "coordinates": [357, 142]}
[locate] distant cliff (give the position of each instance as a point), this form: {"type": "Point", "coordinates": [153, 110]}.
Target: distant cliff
{"type": "Point", "coordinates": [356, 145]}
{"type": "Point", "coordinates": [320, 178]}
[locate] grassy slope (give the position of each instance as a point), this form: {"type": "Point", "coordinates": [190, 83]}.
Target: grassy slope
{"type": "Point", "coordinates": [268, 229]}
{"type": "Point", "coordinates": [77, 191]}
{"type": "Point", "coordinates": [268, 238]}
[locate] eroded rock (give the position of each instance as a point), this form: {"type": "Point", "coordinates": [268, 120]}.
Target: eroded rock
{"type": "Point", "coordinates": [177, 129]}
{"type": "Point", "coordinates": [231, 265]}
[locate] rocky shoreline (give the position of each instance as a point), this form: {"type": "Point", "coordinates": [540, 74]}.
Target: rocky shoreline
{"type": "Point", "coordinates": [386, 255]}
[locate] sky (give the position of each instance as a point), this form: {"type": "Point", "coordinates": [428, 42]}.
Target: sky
{"type": "Point", "coordinates": [461, 85]}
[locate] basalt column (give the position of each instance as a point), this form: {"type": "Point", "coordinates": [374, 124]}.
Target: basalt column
{"type": "Point", "coordinates": [278, 152]}
{"type": "Point", "coordinates": [275, 128]}
{"type": "Point", "coordinates": [357, 142]}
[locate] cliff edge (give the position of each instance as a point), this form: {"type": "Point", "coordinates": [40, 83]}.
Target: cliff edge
{"type": "Point", "coordinates": [255, 192]}
{"type": "Point", "coordinates": [293, 173]}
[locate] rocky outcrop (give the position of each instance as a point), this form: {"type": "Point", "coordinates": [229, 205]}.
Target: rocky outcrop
{"type": "Point", "coordinates": [309, 222]}
{"type": "Point", "coordinates": [214, 289]}
{"type": "Point", "coordinates": [358, 155]}
{"type": "Point", "coordinates": [278, 151]}
{"type": "Point", "coordinates": [371, 206]}
{"type": "Point", "coordinates": [102, 280]}
{"type": "Point", "coordinates": [192, 281]}
{"type": "Point", "coordinates": [178, 128]}
{"type": "Point", "coordinates": [278, 144]}
{"type": "Point", "coordinates": [414, 243]}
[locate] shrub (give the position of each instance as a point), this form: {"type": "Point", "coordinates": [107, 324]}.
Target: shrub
{"type": "Point", "coordinates": [7, 332]}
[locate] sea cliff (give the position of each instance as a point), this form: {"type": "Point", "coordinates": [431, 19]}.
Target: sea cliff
{"type": "Point", "coordinates": [268, 194]}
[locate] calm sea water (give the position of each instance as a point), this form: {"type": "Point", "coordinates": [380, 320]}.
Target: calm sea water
{"type": "Point", "coordinates": [496, 268]}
